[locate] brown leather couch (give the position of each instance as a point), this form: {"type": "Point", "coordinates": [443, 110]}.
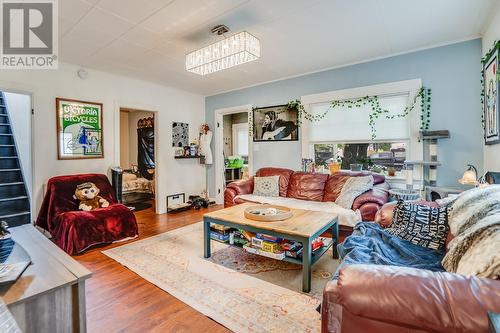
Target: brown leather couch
{"type": "Point", "coordinates": [390, 299]}
{"type": "Point", "coordinates": [315, 187]}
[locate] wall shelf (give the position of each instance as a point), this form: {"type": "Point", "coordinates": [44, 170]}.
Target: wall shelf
{"type": "Point", "coordinates": [183, 157]}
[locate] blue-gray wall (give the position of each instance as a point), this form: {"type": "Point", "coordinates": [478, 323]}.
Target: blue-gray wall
{"type": "Point", "coordinates": [452, 71]}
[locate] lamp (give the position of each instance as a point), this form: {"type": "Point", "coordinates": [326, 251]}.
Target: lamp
{"type": "Point", "coordinates": [229, 52]}
{"type": "Point", "coordinates": [470, 176]}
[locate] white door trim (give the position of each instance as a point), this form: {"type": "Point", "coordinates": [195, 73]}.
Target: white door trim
{"type": "Point", "coordinates": [219, 144]}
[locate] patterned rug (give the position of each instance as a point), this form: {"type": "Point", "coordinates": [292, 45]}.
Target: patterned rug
{"type": "Point", "coordinates": [242, 291]}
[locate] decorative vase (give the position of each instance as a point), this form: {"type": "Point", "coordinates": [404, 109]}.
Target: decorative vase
{"type": "Point", "coordinates": [356, 167]}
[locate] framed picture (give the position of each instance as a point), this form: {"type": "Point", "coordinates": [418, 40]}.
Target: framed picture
{"type": "Point", "coordinates": [275, 123]}
{"type": "Point", "coordinates": [79, 129]}
{"type": "Point", "coordinates": [491, 103]}
{"type": "Point", "coordinates": [180, 134]}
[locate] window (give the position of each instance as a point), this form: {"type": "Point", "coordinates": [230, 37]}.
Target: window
{"type": "Point", "coordinates": [377, 156]}
{"type": "Point", "coordinates": [240, 139]}
{"type": "Point", "coordinates": [345, 134]}
{"type": "Point", "coordinates": [351, 124]}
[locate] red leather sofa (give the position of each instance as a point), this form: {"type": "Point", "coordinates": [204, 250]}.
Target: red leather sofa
{"type": "Point", "coordinates": [390, 299]}
{"type": "Point", "coordinates": [74, 230]}
{"type": "Point", "coordinates": [315, 187]}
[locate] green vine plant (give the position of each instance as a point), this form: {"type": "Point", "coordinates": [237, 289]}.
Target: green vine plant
{"type": "Point", "coordinates": [422, 98]}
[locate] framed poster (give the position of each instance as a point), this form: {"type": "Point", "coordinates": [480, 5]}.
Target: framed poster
{"type": "Point", "coordinates": [180, 134]}
{"type": "Point", "coordinates": [491, 79]}
{"type": "Point", "coordinates": [275, 123]}
{"type": "Point", "coordinates": [79, 129]}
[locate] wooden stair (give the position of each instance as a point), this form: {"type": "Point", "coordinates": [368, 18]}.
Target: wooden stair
{"type": "Point", "coordinates": [14, 200]}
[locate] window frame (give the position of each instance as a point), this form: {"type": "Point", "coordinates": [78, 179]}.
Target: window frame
{"type": "Point", "coordinates": [409, 87]}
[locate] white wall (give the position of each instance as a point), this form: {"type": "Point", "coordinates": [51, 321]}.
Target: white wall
{"type": "Point", "coordinates": [19, 106]}
{"type": "Point", "coordinates": [114, 92]}
{"type": "Point", "coordinates": [133, 117]}
{"type": "Point", "coordinates": [492, 33]}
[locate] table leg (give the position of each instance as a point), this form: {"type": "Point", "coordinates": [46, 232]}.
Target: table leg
{"type": "Point", "coordinates": [206, 238]}
{"type": "Point", "coordinates": [335, 239]}
{"type": "Point", "coordinates": [306, 266]}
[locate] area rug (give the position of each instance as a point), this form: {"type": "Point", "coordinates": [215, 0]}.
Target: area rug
{"type": "Point", "coordinates": [242, 291]}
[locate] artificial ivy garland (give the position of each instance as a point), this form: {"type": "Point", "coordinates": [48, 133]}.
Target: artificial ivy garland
{"type": "Point", "coordinates": [423, 95]}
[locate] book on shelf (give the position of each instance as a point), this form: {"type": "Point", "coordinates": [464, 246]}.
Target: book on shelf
{"type": "Point", "coordinates": [219, 237]}
{"type": "Point", "coordinates": [279, 255]}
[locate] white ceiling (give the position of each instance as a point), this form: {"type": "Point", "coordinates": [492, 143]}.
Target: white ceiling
{"type": "Point", "coordinates": [148, 39]}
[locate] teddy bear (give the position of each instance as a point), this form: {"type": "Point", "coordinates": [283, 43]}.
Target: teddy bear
{"type": "Point", "coordinates": [88, 194]}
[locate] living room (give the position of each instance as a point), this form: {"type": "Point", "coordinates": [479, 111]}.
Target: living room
{"type": "Point", "coordinates": [250, 166]}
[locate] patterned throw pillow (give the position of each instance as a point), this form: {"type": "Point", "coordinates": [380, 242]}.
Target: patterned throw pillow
{"type": "Point", "coordinates": [420, 224]}
{"type": "Point", "coordinates": [266, 186]}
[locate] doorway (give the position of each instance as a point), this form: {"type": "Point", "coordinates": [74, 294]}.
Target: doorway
{"type": "Point", "coordinates": [233, 147]}
{"type": "Point", "coordinates": [137, 158]}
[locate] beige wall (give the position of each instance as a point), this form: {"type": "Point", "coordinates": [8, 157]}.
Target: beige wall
{"type": "Point", "coordinates": [124, 140]}
{"type": "Point", "coordinates": [492, 33]}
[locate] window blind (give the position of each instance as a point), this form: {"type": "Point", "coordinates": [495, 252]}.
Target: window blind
{"type": "Point", "coordinates": [352, 124]}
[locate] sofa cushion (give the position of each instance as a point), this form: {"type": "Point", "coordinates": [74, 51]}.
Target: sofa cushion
{"type": "Point", "coordinates": [334, 185]}
{"type": "Point", "coordinates": [377, 177]}
{"type": "Point", "coordinates": [266, 186]}
{"type": "Point", "coordinates": [337, 180]}
{"type": "Point", "coordinates": [284, 177]}
{"type": "Point", "coordinates": [307, 186]}
{"type": "Point", "coordinates": [420, 224]}
{"type": "Point", "coordinates": [353, 187]}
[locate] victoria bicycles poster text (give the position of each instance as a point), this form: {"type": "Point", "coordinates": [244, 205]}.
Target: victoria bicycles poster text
{"type": "Point", "coordinates": [79, 129]}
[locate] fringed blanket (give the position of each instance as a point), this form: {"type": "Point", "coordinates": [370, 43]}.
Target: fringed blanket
{"type": "Point", "coordinates": [370, 244]}
{"type": "Point", "coordinates": [475, 223]}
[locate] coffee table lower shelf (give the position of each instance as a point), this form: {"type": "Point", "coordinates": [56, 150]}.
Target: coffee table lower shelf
{"type": "Point", "coordinates": [308, 259]}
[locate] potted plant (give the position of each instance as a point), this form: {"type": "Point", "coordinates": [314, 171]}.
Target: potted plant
{"type": "Point", "coordinates": [356, 166]}
{"type": "Point", "coordinates": [362, 162]}
{"type": "Point", "coordinates": [391, 171]}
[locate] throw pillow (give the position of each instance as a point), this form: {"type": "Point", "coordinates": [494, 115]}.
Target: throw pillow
{"type": "Point", "coordinates": [266, 186]}
{"type": "Point", "coordinates": [353, 188]}
{"type": "Point", "coordinates": [421, 225]}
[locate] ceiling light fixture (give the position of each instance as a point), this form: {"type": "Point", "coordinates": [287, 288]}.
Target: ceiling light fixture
{"type": "Point", "coordinates": [232, 51]}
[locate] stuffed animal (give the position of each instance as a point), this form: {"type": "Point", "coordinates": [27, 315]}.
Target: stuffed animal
{"type": "Point", "coordinates": [87, 193]}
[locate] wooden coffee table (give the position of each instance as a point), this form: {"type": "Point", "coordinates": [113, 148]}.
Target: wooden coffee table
{"type": "Point", "coordinates": [304, 226]}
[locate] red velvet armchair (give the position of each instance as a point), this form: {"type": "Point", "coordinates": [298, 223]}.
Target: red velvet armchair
{"type": "Point", "coordinates": [74, 230]}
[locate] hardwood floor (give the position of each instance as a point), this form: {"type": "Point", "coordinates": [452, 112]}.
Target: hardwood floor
{"type": "Point", "coordinates": [118, 300]}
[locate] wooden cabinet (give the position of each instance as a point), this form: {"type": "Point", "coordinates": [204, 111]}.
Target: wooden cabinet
{"type": "Point", "coordinates": [50, 294]}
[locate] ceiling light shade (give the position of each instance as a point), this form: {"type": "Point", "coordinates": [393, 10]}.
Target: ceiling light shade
{"type": "Point", "coordinates": [232, 51]}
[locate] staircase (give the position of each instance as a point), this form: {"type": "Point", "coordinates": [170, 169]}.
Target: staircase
{"type": "Point", "coordinates": [14, 200]}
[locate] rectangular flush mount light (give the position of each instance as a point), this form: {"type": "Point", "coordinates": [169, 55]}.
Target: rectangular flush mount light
{"type": "Point", "coordinates": [232, 51]}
